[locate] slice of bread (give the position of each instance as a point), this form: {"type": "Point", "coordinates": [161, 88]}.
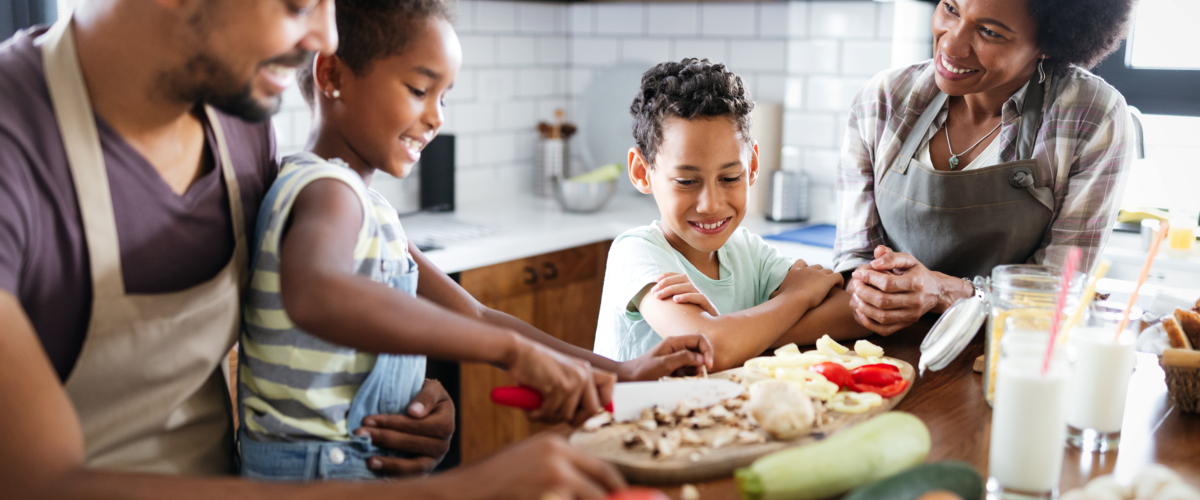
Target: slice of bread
{"type": "Point", "coordinates": [1189, 322]}
{"type": "Point", "coordinates": [1179, 340]}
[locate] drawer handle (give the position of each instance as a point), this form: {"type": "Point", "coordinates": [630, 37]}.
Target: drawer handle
{"type": "Point", "coordinates": [531, 276]}
{"type": "Point", "coordinates": [551, 271]}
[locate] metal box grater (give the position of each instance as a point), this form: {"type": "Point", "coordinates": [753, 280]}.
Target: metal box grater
{"type": "Point", "coordinates": [789, 197]}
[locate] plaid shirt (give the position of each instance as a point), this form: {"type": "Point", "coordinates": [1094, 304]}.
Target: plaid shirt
{"type": "Point", "coordinates": [1085, 144]}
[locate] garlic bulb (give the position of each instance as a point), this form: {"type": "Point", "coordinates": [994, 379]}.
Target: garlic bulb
{"type": "Point", "coordinates": [781, 409]}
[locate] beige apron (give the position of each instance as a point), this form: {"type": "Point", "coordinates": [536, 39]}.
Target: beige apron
{"type": "Point", "coordinates": [147, 385]}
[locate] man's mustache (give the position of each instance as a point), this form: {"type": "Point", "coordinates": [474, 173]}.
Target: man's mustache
{"type": "Point", "coordinates": [292, 59]}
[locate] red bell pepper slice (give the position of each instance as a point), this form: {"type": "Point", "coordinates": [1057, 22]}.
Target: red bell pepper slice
{"type": "Point", "coordinates": [835, 373]}
{"type": "Point", "coordinates": [886, 391]}
{"type": "Point", "coordinates": [879, 374]}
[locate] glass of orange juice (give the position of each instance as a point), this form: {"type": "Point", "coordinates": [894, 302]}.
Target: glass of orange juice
{"type": "Point", "coordinates": [1182, 235]}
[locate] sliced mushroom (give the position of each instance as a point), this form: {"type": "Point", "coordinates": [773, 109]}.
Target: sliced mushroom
{"type": "Point", "coordinates": [699, 422]}
{"type": "Point", "coordinates": [719, 413]}
{"type": "Point", "coordinates": [691, 438]}
{"type": "Point", "coordinates": [723, 438]}
{"type": "Point", "coordinates": [596, 422]}
{"type": "Point", "coordinates": [750, 437]}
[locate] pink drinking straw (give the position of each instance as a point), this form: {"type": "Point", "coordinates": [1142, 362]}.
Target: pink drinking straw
{"type": "Point", "coordinates": [1072, 262]}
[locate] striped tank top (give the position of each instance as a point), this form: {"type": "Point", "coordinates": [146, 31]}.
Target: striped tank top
{"type": "Point", "coordinates": [294, 386]}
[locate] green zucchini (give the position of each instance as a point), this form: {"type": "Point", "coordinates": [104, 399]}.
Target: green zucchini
{"type": "Point", "coordinates": [878, 448]}
{"type": "Point", "coordinates": [950, 475]}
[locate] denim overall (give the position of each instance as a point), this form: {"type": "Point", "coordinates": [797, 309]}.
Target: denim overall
{"type": "Point", "coordinates": [388, 389]}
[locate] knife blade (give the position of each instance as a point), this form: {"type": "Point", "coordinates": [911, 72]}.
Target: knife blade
{"type": "Point", "coordinates": [630, 398]}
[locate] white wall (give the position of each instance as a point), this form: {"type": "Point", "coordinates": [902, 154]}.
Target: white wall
{"type": "Point", "coordinates": [523, 60]}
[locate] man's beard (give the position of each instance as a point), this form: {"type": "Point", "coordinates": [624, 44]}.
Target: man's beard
{"type": "Point", "coordinates": [204, 79]}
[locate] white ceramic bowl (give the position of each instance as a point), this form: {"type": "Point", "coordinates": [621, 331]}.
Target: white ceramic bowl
{"type": "Point", "coordinates": [583, 196]}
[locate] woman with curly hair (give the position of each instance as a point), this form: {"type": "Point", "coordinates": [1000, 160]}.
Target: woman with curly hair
{"type": "Point", "coordinates": [1002, 149]}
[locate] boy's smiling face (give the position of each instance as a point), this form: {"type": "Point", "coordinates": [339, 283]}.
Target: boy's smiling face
{"type": "Point", "coordinates": [700, 177]}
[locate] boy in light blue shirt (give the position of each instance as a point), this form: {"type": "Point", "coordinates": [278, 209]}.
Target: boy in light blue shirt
{"type": "Point", "coordinates": [695, 270]}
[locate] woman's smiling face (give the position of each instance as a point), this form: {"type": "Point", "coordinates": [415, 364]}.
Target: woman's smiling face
{"type": "Point", "coordinates": [981, 45]}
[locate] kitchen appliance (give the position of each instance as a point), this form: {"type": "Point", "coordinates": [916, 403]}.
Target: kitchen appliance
{"type": "Point", "coordinates": [789, 196]}
{"type": "Point", "coordinates": [429, 187]}
{"type": "Point", "coordinates": [630, 398]}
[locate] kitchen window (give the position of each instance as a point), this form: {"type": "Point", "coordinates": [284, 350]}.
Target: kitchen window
{"type": "Point", "coordinates": [1157, 68]}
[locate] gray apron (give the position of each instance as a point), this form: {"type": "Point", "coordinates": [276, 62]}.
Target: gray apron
{"type": "Point", "coordinates": [964, 223]}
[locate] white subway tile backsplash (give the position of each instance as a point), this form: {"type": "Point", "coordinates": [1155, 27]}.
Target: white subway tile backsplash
{"type": "Point", "coordinates": [732, 19]}
{"type": "Point", "coordinates": [749, 82]}
{"type": "Point", "coordinates": [809, 129]}
{"type": "Point", "coordinates": [464, 17]}
{"type": "Point", "coordinates": [652, 51]}
{"type": "Point", "coordinates": [526, 144]}
{"type": "Point", "coordinates": [517, 50]}
{"type": "Point", "coordinates": [843, 19]}
{"type": "Point", "coordinates": [539, 82]}
{"type": "Point", "coordinates": [541, 18]}
{"type": "Point", "coordinates": [464, 87]}
{"type": "Point", "coordinates": [496, 84]}
{"type": "Point", "coordinates": [798, 13]}
{"type": "Point", "coordinates": [793, 97]}
{"type": "Point", "coordinates": [493, 16]}
{"type": "Point", "coordinates": [593, 51]}
{"type": "Point", "coordinates": [905, 53]}
{"type": "Point", "coordinates": [499, 147]}
{"type": "Point", "coordinates": [581, 19]}
{"type": "Point", "coordinates": [714, 50]}
{"type": "Point", "coordinates": [825, 93]}
{"type": "Point", "coordinates": [865, 58]}
{"type": "Point", "coordinates": [474, 117]}
{"type": "Point", "coordinates": [812, 57]}
{"type": "Point", "coordinates": [771, 88]}
{"type": "Point", "coordinates": [578, 79]}
{"type": "Point", "coordinates": [886, 17]}
{"type": "Point", "coordinates": [464, 151]}
{"type": "Point", "coordinates": [620, 19]}
{"type": "Point", "coordinates": [843, 119]}
{"type": "Point", "coordinates": [773, 20]}
{"type": "Point", "coordinates": [552, 50]}
{"type": "Point", "coordinates": [478, 50]}
{"type": "Point", "coordinates": [821, 165]}
{"type": "Point", "coordinates": [672, 19]}
{"type": "Point", "coordinates": [753, 55]}
{"type": "Point", "coordinates": [517, 115]}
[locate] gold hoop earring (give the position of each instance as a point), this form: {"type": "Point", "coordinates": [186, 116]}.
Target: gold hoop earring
{"type": "Point", "coordinates": [1041, 72]}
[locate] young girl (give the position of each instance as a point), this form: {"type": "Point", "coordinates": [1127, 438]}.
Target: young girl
{"type": "Point", "coordinates": [334, 280]}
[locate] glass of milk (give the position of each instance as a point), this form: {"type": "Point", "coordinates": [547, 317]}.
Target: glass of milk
{"type": "Point", "coordinates": [1028, 413]}
{"type": "Point", "coordinates": [1101, 365]}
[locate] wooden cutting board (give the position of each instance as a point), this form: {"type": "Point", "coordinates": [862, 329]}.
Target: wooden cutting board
{"type": "Point", "coordinates": [640, 467]}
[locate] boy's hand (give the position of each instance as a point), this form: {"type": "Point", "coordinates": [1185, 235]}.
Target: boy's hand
{"type": "Point", "coordinates": [679, 288]}
{"type": "Point", "coordinates": [810, 283]}
{"type": "Point", "coordinates": [572, 391]}
{"type": "Point", "coordinates": [678, 355]}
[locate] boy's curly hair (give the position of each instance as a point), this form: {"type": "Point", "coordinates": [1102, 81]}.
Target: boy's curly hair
{"type": "Point", "coordinates": [687, 89]}
{"type": "Point", "coordinates": [1079, 32]}
{"type": "Point", "coordinates": [371, 29]}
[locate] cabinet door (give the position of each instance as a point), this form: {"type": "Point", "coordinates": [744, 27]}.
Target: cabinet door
{"type": "Point", "coordinates": [558, 293]}
{"type": "Point", "coordinates": [487, 427]}
{"type": "Point", "coordinates": [567, 302]}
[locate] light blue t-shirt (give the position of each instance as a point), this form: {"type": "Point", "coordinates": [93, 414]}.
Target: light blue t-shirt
{"type": "Point", "coordinates": [750, 270]}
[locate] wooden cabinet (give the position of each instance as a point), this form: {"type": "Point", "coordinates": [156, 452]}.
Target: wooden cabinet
{"type": "Point", "coordinates": [558, 293]}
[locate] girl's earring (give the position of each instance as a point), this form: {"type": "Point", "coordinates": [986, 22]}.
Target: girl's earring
{"type": "Point", "coordinates": [1041, 72]}
{"type": "Point", "coordinates": [337, 93]}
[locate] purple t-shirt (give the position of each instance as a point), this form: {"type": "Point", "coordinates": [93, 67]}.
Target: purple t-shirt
{"type": "Point", "coordinates": [168, 242]}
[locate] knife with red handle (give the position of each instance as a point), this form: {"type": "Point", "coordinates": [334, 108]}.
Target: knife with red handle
{"type": "Point", "coordinates": [630, 398]}
{"type": "Point", "coordinates": [523, 398]}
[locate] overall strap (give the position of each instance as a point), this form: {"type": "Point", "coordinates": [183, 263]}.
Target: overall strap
{"type": "Point", "coordinates": [915, 136]}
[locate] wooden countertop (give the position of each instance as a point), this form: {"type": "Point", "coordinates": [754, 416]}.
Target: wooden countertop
{"type": "Point", "coordinates": [951, 404]}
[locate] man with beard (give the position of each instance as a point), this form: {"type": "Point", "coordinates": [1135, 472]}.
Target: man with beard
{"type": "Point", "coordinates": [134, 153]}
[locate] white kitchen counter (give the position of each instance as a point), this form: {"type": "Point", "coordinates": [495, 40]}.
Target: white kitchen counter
{"type": "Point", "coordinates": [526, 226]}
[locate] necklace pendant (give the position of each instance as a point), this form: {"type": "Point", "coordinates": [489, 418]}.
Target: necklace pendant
{"type": "Point", "coordinates": [953, 162]}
